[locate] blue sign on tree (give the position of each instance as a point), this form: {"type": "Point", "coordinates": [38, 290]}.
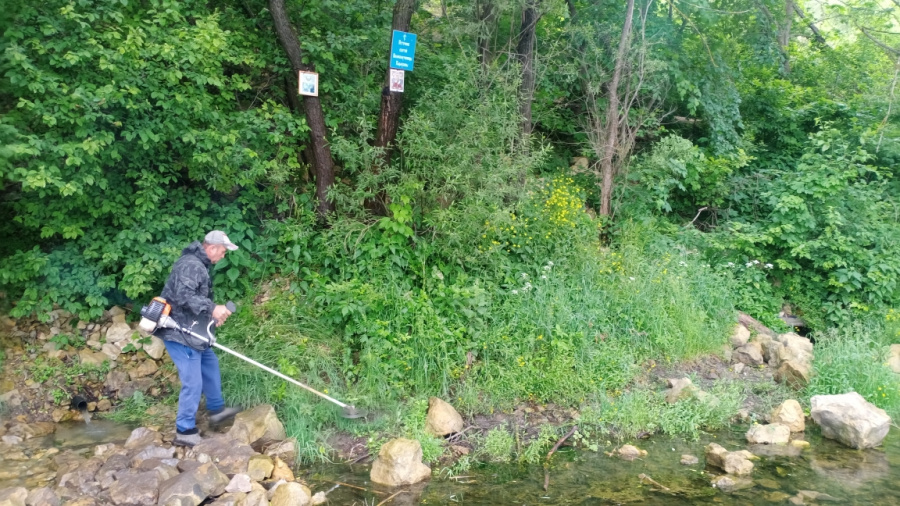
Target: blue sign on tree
{"type": "Point", "coordinates": [403, 50]}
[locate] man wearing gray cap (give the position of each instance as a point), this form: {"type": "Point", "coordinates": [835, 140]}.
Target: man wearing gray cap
{"type": "Point", "coordinates": [190, 293]}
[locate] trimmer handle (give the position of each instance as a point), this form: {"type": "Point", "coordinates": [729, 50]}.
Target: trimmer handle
{"type": "Point", "coordinates": [230, 306]}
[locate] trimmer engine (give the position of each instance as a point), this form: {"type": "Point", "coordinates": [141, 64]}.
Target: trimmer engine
{"type": "Point", "coordinates": [153, 314]}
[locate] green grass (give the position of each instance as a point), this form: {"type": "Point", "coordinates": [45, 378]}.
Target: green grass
{"type": "Point", "coordinates": [852, 359]}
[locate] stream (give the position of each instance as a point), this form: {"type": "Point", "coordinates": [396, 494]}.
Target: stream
{"type": "Point", "coordinates": [870, 477]}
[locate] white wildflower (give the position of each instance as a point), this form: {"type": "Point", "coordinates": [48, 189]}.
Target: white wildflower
{"type": "Point", "coordinates": [547, 268]}
{"type": "Point", "coordinates": [769, 266]}
{"type": "Point", "coordinates": [755, 262]}
{"type": "Point", "coordinates": [526, 287]}
{"type": "Point", "coordinates": [550, 263]}
{"type": "Point", "coordinates": [523, 275]}
{"type": "Point", "coordinates": [515, 292]}
{"type": "Point", "coordinates": [730, 264]}
{"type": "Point", "coordinates": [682, 264]}
{"type": "Point", "coordinates": [631, 278]}
{"type": "Point", "coordinates": [749, 264]}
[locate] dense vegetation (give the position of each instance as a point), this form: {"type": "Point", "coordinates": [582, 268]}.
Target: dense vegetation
{"type": "Point", "coordinates": [730, 155]}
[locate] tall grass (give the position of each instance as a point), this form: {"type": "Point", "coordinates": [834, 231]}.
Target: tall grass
{"type": "Point", "coordinates": [853, 358]}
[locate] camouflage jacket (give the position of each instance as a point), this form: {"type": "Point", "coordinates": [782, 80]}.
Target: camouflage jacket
{"type": "Point", "coordinates": [189, 291]}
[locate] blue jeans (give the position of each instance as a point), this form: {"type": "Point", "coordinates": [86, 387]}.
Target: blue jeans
{"type": "Point", "coordinates": [199, 374]}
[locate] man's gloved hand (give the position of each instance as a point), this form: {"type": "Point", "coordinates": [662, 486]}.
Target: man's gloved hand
{"type": "Point", "coordinates": [220, 314]}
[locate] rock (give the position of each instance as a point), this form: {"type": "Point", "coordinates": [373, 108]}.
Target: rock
{"type": "Point", "coordinates": [791, 414]}
{"type": "Point", "coordinates": [773, 433]}
{"type": "Point", "coordinates": [11, 440]}
{"type": "Point", "coordinates": [796, 348]}
{"type": "Point", "coordinates": [729, 484]}
{"type": "Point", "coordinates": [135, 488]}
{"type": "Point", "coordinates": [894, 358]}
{"type": "Point", "coordinates": [111, 351]}
{"type": "Point", "coordinates": [282, 471]}
{"type": "Point", "coordinates": [629, 452]}
{"type": "Point", "coordinates": [318, 498]}
{"type": "Point", "coordinates": [152, 452]}
{"type": "Point", "coordinates": [144, 369]}
{"type": "Point", "coordinates": [12, 399]}
{"type": "Point", "coordinates": [442, 419]}
{"type": "Point", "coordinates": [231, 456]}
{"type": "Point", "coordinates": [739, 367]}
{"type": "Point", "coordinates": [750, 354]}
{"type": "Point", "coordinates": [90, 357]}
{"type": "Point", "coordinates": [810, 495]}
{"type": "Point", "coordinates": [689, 460]}
{"type": "Point", "coordinates": [291, 494]}
{"type": "Point", "coordinates": [155, 348]}
{"type": "Point", "coordinates": [257, 427]}
{"type": "Point", "coordinates": [14, 496]}
{"type": "Point", "coordinates": [852, 470]}
{"type": "Point", "coordinates": [399, 463]}
{"type": "Point", "coordinates": [679, 389]}
{"type": "Point", "coordinates": [193, 487]}
{"type": "Point", "coordinates": [104, 405]}
{"type": "Point", "coordinates": [740, 336]}
{"type": "Point", "coordinates": [130, 387]}
{"type": "Point", "coordinates": [81, 479]}
{"type": "Point", "coordinates": [799, 443]}
{"type": "Point", "coordinates": [260, 467]}
{"type": "Point", "coordinates": [792, 373]}
{"type": "Point", "coordinates": [738, 463]}
{"type": "Point", "coordinates": [115, 380]}
{"type": "Point", "coordinates": [43, 496]}
{"type": "Point", "coordinates": [142, 437]}
{"type": "Point", "coordinates": [285, 450]}
{"type": "Point", "coordinates": [256, 498]}
{"type": "Point", "coordinates": [113, 312]}
{"type": "Point", "coordinates": [32, 430]}
{"type": "Point", "coordinates": [239, 483]}
{"type": "Point", "coordinates": [118, 332]}
{"type": "Point", "coordinates": [850, 419]}
{"type": "Point", "coordinates": [230, 499]}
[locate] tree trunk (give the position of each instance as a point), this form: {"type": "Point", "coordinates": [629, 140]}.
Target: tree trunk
{"type": "Point", "coordinates": [525, 55]}
{"type": "Point", "coordinates": [612, 115]}
{"type": "Point", "coordinates": [392, 101]}
{"type": "Point", "coordinates": [315, 118]}
{"type": "Point", "coordinates": [784, 35]}
{"type": "Point", "coordinates": [486, 13]}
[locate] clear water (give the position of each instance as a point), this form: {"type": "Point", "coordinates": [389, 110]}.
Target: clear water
{"type": "Point", "coordinates": [869, 477]}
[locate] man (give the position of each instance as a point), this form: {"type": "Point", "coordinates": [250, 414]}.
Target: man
{"type": "Point", "coordinates": [189, 291]}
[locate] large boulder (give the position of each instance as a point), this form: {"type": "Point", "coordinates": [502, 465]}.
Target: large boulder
{"type": "Point", "coordinates": [442, 418]}
{"type": "Point", "coordinates": [737, 463]}
{"type": "Point", "coordinates": [773, 433]}
{"type": "Point", "coordinates": [230, 455]}
{"type": "Point", "coordinates": [43, 496]}
{"type": "Point", "coordinates": [750, 354]}
{"type": "Point", "coordinates": [850, 419]}
{"type": "Point", "coordinates": [257, 427]}
{"type": "Point", "coordinates": [14, 496]}
{"type": "Point", "coordinates": [399, 463]}
{"type": "Point", "coordinates": [193, 487]}
{"type": "Point", "coordinates": [155, 348]}
{"type": "Point", "coordinates": [117, 332]}
{"type": "Point", "coordinates": [141, 437]}
{"type": "Point", "coordinates": [285, 450]}
{"type": "Point", "coordinates": [291, 494]}
{"type": "Point", "coordinates": [791, 414]}
{"type": "Point", "coordinates": [794, 374]}
{"type": "Point", "coordinates": [679, 389]}
{"type": "Point", "coordinates": [740, 335]}
{"type": "Point", "coordinates": [135, 489]}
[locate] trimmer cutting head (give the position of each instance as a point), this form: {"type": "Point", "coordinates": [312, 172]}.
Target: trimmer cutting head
{"type": "Point", "coordinates": [350, 412]}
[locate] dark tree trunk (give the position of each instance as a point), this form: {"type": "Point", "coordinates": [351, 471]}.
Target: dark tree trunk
{"type": "Point", "coordinates": [486, 14]}
{"type": "Point", "coordinates": [322, 162]}
{"type": "Point", "coordinates": [392, 101]}
{"type": "Point", "coordinates": [607, 168]}
{"type": "Point", "coordinates": [525, 55]}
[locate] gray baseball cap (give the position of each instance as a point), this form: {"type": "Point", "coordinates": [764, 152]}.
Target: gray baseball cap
{"type": "Point", "coordinates": [219, 237]}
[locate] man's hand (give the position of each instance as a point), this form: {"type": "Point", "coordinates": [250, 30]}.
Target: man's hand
{"type": "Point", "coordinates": [220, 314]}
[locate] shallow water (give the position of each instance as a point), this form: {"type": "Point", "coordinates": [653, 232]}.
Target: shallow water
{"type": "Point", "coordinates": [870, 477]}
{"type": "Point", "coordinates": [577, 477]}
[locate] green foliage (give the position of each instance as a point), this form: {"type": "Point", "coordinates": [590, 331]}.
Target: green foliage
{"type": "Point", "coordinates": [498, 445]}
{"type": "Point", "coordinates": [63, 340]}
{"type": "Point", "coordinates": [853, 358]}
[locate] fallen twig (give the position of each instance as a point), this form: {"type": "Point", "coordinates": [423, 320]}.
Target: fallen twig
{"type": "Point", "coordinates": [357, 459]}
{"type": "Point", "coordinates": [395, 494]}
{"type": "Point", "coordinates": [357, 487]}
{"type": "Point", "coordinates": [644, 477]}
{"type": "Point", "coordinates": [550, 454]}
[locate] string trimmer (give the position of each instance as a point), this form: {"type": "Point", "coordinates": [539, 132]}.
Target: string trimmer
{"type": "Point", "coordinates": [156, 315]}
